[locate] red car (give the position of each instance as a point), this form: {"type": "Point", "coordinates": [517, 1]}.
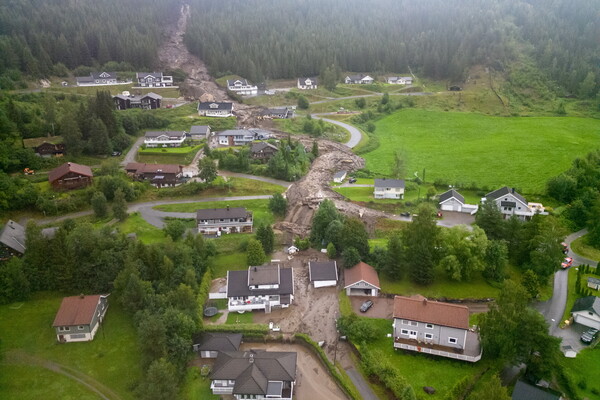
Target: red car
{"type": "Point", "coordinates": [567, 263]}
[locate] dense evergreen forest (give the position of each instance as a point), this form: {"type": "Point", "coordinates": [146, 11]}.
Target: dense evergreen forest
{"type": "Point", "coordinates": [441, 40]}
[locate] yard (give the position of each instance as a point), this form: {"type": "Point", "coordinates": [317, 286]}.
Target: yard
{"type": "Point", "coordinates": [580, 247]}
{"type": "Point", "coordinates": [585, 370]}
{"type": "Point", "coordinates": [538, 147]}
{"type": "Point", "coordinates": [171, 155]}
{"type": "Point", "coordinates": [109, 363]}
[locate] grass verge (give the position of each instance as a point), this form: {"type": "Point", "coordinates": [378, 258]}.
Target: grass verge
{"type": "Point", "coordinates": [580, 247]}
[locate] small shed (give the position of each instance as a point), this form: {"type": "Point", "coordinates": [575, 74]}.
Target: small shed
{"type": "Point", "coordinates": [339, 176]}
{"type": "Point", "coordinates": [593, 283]}
{"type": "Point", "coordinates": [209, 345]}
{"type": "Point", "coordinates": [361, 280]}
{"type": "Point", "coordinates": [569, 352]}
{"type": "Point", "coordinates": [323, 273]}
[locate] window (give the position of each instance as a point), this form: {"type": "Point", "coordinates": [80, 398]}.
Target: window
{"type": "Point", "coordinates": [80, 327]}
{"type": "Point", "coordinates": [404, 331]}
{"type": "Point", "coordinates": [452, 340]}
{"type": "Point", "coordinates": [428, 336]}
{"type": "Point", "coordinates": [64, 329]}
{"type": "Point", "coordinates": [414, 323]}
{"type": "Point", "coordinates": [429, 326]}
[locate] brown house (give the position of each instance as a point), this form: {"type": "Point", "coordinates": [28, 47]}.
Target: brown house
{"type": "Point", "coordinates": [70, 176]}
{"type": "Point", "coordinates": [157, 174]}
{"type": "Point", "coordinates": [50, 150]}
{"type": "Point", "coordinates": [262, 151]}
{"type": "Point", "coordinates": [79, 317]}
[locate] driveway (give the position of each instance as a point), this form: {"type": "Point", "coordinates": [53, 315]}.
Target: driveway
{"type": "Point", "coordinates": [355, 134]}
{"type": "Point", "coordinates": [130, 156]}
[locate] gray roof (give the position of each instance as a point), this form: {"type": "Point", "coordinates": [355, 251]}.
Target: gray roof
{"type": "Point", "coordinates": [237, 284]}
{"type": "Point", "coordinates": [199, 129]}
{"type": "Point", "coordinates": [217, 341]}
{"type": "Point", "coordinates": [263, 275]}
{"type": "Point", "coordinates": [339, 174]}
{"type": "Point", "coordinates": [139, 75]}
{"type": "Point", "coordinates": [322, 271]}
{"type": "Point", "coordinates": [110, 75]}
{"type": "Point", "coordinates": [171, 134]}
{"type": "Point", "coordinates": [391, 183]}
{"type": "Point", "coordinates": [231, 82]}
{"type": "Point", "coordinates": [252, 370]}
{"type": "Point", "coordinates": [496, 194]}
{"type": "Point", "coordinates": [216, 106]}
{"type": "Point", "coordinates": [218, 213]}
{"type": "Point", "coordinates": [450, 194]}
{"type": "Point", "coordinates": [589, 303]}
{"type": "Point", "coordinates": [525, 391]}
{"type": "Point", "coordinates": [303, 80]}
{"type": "Point", "coordinates": [595, 281]}
{"type": "Point", "coordinates": [135, 98]}
{"type": "Point", "coordinates": [236, 132]}
{"type": "Point", "coordinates": [258, 147]}
{"type": "Point", "coordinates": [13, 236]}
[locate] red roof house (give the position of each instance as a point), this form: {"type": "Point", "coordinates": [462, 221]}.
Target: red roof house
{"type": "Point", "coordinates": [361, 280]}
{"type": "Point", "coordinates": [79, 317]}
{"type": "Point", "coordinates": [70, 176]}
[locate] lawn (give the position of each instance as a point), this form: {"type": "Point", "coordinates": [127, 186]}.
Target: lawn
{"type": "Point", "coordinates": [112, 358]}
{"type": "Point", "coordinates": [115, 89]}
{"type": "Point", "coordinates": [170, 150]}
{"type": "Point", "coordinates": [172, 155]}
{"type": "Point", "coordinates": [462, 148]}
{"type": "Point", "coordinates": [145, 232]}
{"type": "Point", "coordinates": [196, 386]}
{"type": "Point", "coordinates": [580, 247]}
{"type": "Point", "coordinates": [228, 262]}
{"type": "Point", "coordinates": [365, 195]}
{"type": "Point", "coordinates": [585, 370]}
{"type": "Point", "coordinates": [296, 126]}
{"type": "Point", "coordinates": [235, 318]}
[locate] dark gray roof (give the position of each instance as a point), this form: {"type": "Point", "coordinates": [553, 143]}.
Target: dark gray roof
{"type": "Point", "coordinates": [339, 174]}
{"type": "Point", "coordinates": [496, 194]}
{"type": "Point", "coordinates": [525, 391]}
{"type": "Point", "coordinates": [151, 95]}
{"type": "Point", "coordinates": [595, 281]}
{"type": "Point", "coordinates": [252, 370]}
{"type": "Point", "coordinates": [322, 271]}
{"type": "Point", "coordinates": [217, 341]}
{"type": "Point", "coordinates": [450, 194]}
{"type": "Point", "coordinates": [139, 75]}
{"type": "Point", "coordinates": [303, 80]}
{"type": "Point", "coordinates": [108, 75]}
{"type": "Point", "coordinates": [154, 134]}
{"type": "Point", "coordinates": [13, 236]}
{"type": "Point", "coordinates": [137, 98]}
{"type": "Point", "coordinates": [231, 82]}
{"type": "Point", "coordinates": [391, 183]}
{"type": "Point", "coordinates": [237, 132]}
{"type": "Point", "coordinates": [199, 129]}
{"type": "Point", "coordinates": [589, 303]}
{"type": "Point", "coordinates": [216, 106]}
{"type": "Point", "coordinates": [218, 213]}
{"type": "Point", "coordinates": [263, 275]}
{"type": "Point", "coordinates": [258, 147]}
{"type": "Point", "coordinates": [237, 284]}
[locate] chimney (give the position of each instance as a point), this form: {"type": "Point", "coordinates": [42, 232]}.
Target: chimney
{"type": "Point", "coordinates": [227, 207]}
{"type": "Point", "coordinates": [251, 358]}
{"type": "Point", "coordinates": [513, 190]}
{"type": "Point", "coordinates": [69, 164]}
{"type": "Point", "coordinates": [424, 302]}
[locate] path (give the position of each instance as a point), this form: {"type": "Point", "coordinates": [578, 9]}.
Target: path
{"type": "Point", "coordinates": [361, 384]}
{"type": "Point", "coordinates": [355, 134]}
{"type": "Point", "coordinates": [130, 156]}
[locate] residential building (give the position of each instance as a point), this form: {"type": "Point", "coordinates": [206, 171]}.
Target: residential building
{"type": "Point", "coordinates": [241, 137]}
{"type": "Point", "coordinates": [164, 138]}
{"type": "Point", "coordinates": [454, 201]}
{"type": "Point", "coordinates": [70, 176]}
{"type": "Point", "coordinates": [323, 273]}
{"type": "Point", "coordinates": [262, 150]}
{"type": "Point", "coordinates": [510, 203]}
{"type": "Point", "coordinates": [48, 150]}
{"type": "Point", "coordinates": [254, 374]}
{"type": "Point", "coordinates": [593, 283]}
{"type": "Point", "coordinates": [213, 221]}
{"type": "Point", "coordinates": [358, 79]}
{"type": "Point", "coordinates": [97, 79]}
{"type": "Point", "coordinates": [12, 240]}
{"type": "Point", "coordinates": [260, 288]}
{"type": "Point", "coordinates": [215, 109]}
{"type": "Point", "coordinates": [153, 79]}
{"type": "Point", "coordinates": [199, 132]}
{"type": "Point", "coordinates": [209, 344]}
{"type": "Point", "coordinates": [586, 311]}
{"type": "Point", "coordinates": [242, 87]}
{"type": "Point", "coordinates": [526, 391]}
{"type": "Point", "coordinates": [279, 112]}
{"type": "Point", "coordinates": [339, 176]}
{"type": "Point", "coordinates": [436, 328]}
{"type": "Point", "coordinates": [399, 80]}
{"type": "Point", "coordinates": [307, 83]}
{"type": "Point", "coordinates": [389, 189]}
{"type": "Point", "coordinates": [148, 101]}
{"type": "Point", "coordinates": [79, 317]}
{"type": "Point", "coordinates": [159, 175]}
{"type": "Point", "coordinates": [361, 280]}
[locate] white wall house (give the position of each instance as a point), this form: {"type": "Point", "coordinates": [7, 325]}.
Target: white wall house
{"type": "Point", "coordinates": [358, 79]}
{"type": "Point", "coordinates": [260, 288]}
{"type": "Point", "coordinates": [586, 311]}
{"type": "Point", "coordinates": [339, 176]}
{"type": "Point", "coordinates": [242, 87]}
{"type": "Point", "coordinates": [153, 79]}
{"type": "Point", "coordinates": [164, 138]}
{"type": "Point", "coordinates": [215, 109]}
{"type": "Point", "coordinates": [454, 201]}
{"type": "Point", "coordinates": [510, 203]}
{"type": "Point", "coordinates": [307, 83]}
{"type": "Point", "coordinates": [389, 189]}
{"type": "Point", "coordinates": [399, 80]}
{"type": "Point", "coordinates": [79, 317]}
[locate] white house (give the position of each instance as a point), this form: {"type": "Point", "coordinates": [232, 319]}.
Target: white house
{"type": "Point", "coordinates": [199, 132]}
{"type": "Point", "coordinates": [164, 138]}
{"type": "Point", "coordinates": [322, 273]}
{"type": "Point", "coordinates": [358, 79]}
{"type": "Point", "coordinates": [97, 79]}
{"type": "Point", "coordinates": [153, 79]}
{"type": "Point", "coordinates": [361, 280]}
{"type": "Point", "coordinates": [260, 288]}
{"type": "Point", "coordinates": [339, 176]}
{"type": "Point", "coordinates": [79, 317]}
{"type": "Point", "coordinates": [454, 201]}
{"type": "Point", "coordinates": [242, 87]}
{"type": "Point", "coordinates": [399, 80]}
{"type": "Point", "coordinates": [586, 311]}
{"type": "Point", "coordinates": [510, 203]}
{"type": "Point", "coordinates": [211, 221]}
{"type": "Point", "coordinates": [389, 189]}
{"type": "Point", "coordinates": [307, 83]}
{"type": "Point", "coordinates": [215, 109]}
{"type": "Point", "coordinates": [236, 137]}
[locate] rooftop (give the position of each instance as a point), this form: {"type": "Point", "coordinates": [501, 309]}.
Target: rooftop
{"type": "Point", "coordinates": [361, 272]}
{"type": "Point", "coordinates": [64, 169]}
{"type": "Point", "coordinates": [217, 341]}
{"type": "Point", "coordinates": [77, 310]}
{"type": "Point", "coordinates": [389, 183]}
{"type": "Point", "coordinates": [13, 235]}
{"type": "Point", "coordinates": [221, 213]}
{"type": "Point", "coordinates": [434, 312]}
{"type": "Point", "coordinates": [322, 271]}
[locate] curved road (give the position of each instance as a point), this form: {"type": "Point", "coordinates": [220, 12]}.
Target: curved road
{"type": "Point", "coordinates": [355, 134]}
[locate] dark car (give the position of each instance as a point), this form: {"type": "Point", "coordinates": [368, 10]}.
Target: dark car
{"type": "Point", "coordinates": [352, 180]}
{"type": "Point", "coordinates": [116, 153]}
{"type": "Point", "coordinates": [366, 305]}
{"type": "Point", "coordinates": [405, 214]}
{"type": "Point", "coordinates": [589, 335]}
{"type": "Point", "coordinates": [565, 247]}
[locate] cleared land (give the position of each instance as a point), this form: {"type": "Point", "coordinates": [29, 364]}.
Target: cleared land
{"type": "Point", "coordinates": [260, 208]}
{"type": "Point", "coordinates": [464, 148]}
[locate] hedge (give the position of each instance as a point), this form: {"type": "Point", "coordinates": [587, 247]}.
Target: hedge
{"type": "Point", "coordinates": [247, 329]}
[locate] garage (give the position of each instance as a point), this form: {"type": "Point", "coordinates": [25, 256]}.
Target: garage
{"type": "Point", "coordinates": [586, 311]}
{"type": "Point", "coordinates": [361, 280]}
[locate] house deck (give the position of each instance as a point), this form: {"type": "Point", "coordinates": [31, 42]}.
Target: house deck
{"type": "Point", "coordinates": [471, 353]}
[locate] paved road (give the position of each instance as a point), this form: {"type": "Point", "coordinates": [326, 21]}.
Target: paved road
{"type": "Point", "coordinates": [278, 182]}
{"type": "Point", "coordinates": [355, 134]}
{"type": "Point", "coordinates": [130, 156]}
{"type": "Point", "coordinates": [362, 385]}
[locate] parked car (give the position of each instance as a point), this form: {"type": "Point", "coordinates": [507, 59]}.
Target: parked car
{"type": "Point", "coordinates": [366, 305]}
{"type": "Point", "coordinates": [405, 214]}
{"type": "Point", "coordinates": [565, 247]}
{"type": "Point", "coordinates": [352, 180]}
{"type": "Point", "coordinates": [567, 263]}
{"type": "Point", "coordinates": [589, 335]}
{"type": "Point", "coordinates": [116, 153]}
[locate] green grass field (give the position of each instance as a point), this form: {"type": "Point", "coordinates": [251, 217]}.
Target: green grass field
{"type": "Point", "coordinates": [172, 155]}
{"type": "Point", "coordinates": [580, 247]}
{"type": "Point", "coordinates": [585, 369]}
{"type": "Point", "coordinates": [489, 151]}
{"type": "Point", "coordinates": [196, 386]}
{"type": "Point", "coordinates": [111, 359]}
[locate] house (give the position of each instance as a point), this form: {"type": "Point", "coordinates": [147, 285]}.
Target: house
{"type": "Point", "coordinates": [199, 132]}
{"type": "Point", "coordinates": [79, 317]}
{"type": "Point", "coordinates": [389, 189]}
{"type": "Point", "coordinates": [260, 288]}
{"type": "Point", "coordinates": [48, 150]}
{"type": "Point", "coordinates": [242, 87]}
{"type": "Point", "coordinates": [279, 112]}
{"type": "Point", "coordinates": [164, 138]}
{"type": "Point", "coordinates": [307, 83]}
{"type": "Point", "coordinates": [97, 79]}
{"type": "Point", "coordinates": [70, 176]}
{"type": "Point", "coordinates": [215, 109]}
{"type": "Point", "coordinates": [454, 201]}
{"type": "Point", "coordinates": [593, 283]}
{"type": "Point", "coordinates": [228, 220]}
{"type": "Point", "coordinates": [148, 101]}
{"type": "Point", "coordinates": [153, 79]}
{"type": "Point", "coordinates": [339, 176]}
{"type": "Point", "coordinates": [526, 391]}
{"type": "Point", "coordinates": [254, 374]}
{"type": "Point", "coordinates": [209, 344]}
{"type": "Point", "coordinates": [586, 311]}
{"type": "Point", "coordinates": [435, 328]}
{"type": "Point", "coordinates": [322, 273]}
{"type": "Point", "coordinates": [12, 240]}
{"type": "Point", "coordinates": [263, 151]}
{"type": "Point", "coordinates": [239, 137]}
{"type": "Point", "coordinates": [361, 280]}
{"type": "Point", "coordinates": [510, 203]}
{"type": "Point", "coordinates": [158, 175]}
{"type": "Point", "coordinates": [399, 80]}
{"type": "Point", "coordinates": [358, 79]}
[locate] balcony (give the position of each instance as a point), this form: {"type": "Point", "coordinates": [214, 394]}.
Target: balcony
{"type": "Point", "coordinates": [247, 305]}
{"type": "Point", "coordinates": [471, 353]}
